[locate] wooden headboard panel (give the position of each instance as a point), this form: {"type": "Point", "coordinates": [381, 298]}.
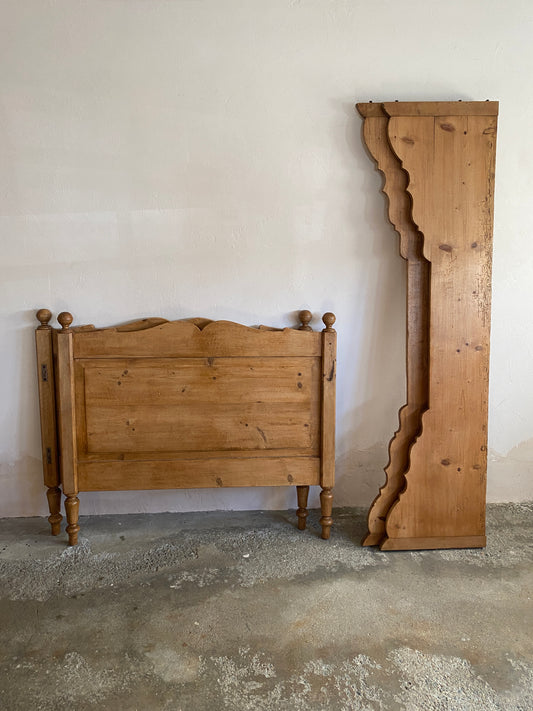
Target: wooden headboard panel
{"type": "Point", "coordinates": [161, 404]}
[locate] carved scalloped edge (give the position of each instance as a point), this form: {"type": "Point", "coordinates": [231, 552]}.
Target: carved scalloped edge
{"type": "Point", "coordinates": [408, 191]}
{"type": "Point", "coordinates": [198, 323]}
{"type": "Point", "coordinates": [144, 324]}
{"type": "Point", "coordinates": [393, 484]}
{"type": "Point", "coordinates": [401, 493]}
{"type": "Point", "coordinates": [394, 515]}
{"type": "Point", "coordinates": [450, 542]}
{"type": "Point", "coordinates": [402, 234]}
{"type": "Point", "coordinates": [405, 475]}
{"type": "Point", "coordinates": [404, 438]}
{"type": "Point", "coordinates": [389, 490]}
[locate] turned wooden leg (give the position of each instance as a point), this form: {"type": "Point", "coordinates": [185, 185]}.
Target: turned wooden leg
{"type": "Point", "coordinates": [326, 503]}
{"type": "Point", "coordinates": [72, 507]}
{"type": "Point", "coordinates": [302, 492]}
{"type": "Point", "coordinates": [54, 504]}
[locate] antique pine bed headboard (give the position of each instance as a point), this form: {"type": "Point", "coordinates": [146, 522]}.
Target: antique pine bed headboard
{"type": "Point", "coordinates": [195, 403]}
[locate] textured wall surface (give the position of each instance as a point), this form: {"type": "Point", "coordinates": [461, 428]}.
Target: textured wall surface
{"type": "Point", "coordinates": [203, 158]}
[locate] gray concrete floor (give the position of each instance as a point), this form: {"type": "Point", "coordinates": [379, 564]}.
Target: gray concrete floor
{"type": "Point", "coordinates": [242, 611]}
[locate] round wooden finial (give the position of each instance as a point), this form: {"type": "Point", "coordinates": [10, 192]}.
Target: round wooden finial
{"type": "Point", "coordinates": [44, 315]}
{"type": "Point", "coordinates": [305, 317]}
{"type": "Point", "coordinates": [329, 319]}
{"type": "Point", "coordinates": [65, 319]}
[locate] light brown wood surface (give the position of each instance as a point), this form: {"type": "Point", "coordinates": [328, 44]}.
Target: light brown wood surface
{"type": "Point", "coordinates": [433, 543]}
{"type": "Point", "coordinates": [158, 404]}
{"type": "Point", "coordinates": [47, 407]}
{"type": "Point", "coordinates": [329, 376]}
{"type": "Point", "coordinates": [66, 420]}
{"type": "Point", "coordinates": [440, 108]}
{"type": "Point", "coordinates": [199, 473]}
{"type": "Point", "coordinates": [254, 403]}
{"type": "Point", "coordinates": [184, 339]}
{"type": "Point", "coordinates": [410, 245]}
{"type": "Point", "coordinates": [447, 152]}
{"type": "Point", "coordinates": [301, 512]}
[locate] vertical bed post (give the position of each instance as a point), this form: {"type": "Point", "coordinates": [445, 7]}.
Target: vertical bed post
{"type": "Point", "coordinates": [47, 408]}
{"type": "Point", "coordinates": [67, 425]}
{"type": "Point", "coordinates": [302, 492]}
{"type": "Point", "coordinates": [327, 473]}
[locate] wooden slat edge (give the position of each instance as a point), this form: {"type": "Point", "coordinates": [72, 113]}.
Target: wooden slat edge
{"type": "Point", "coordinates": [441, 108]}
{"type": "Point", "coordinates": [165, 342]}
{"type": "Point", "coordinates": [433, 543]}
{"type": "Point", "coordinates": [370, 109]}
{"type": "Point", "coordinates": [102, 457]}
{"type": "Point", "coordinates": [211, 473]}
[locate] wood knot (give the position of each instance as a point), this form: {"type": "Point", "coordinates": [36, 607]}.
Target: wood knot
{"type": "Point", "coordinates": [445, 247]}
{"type": "Point", "coordinates": [448, 127]}
{"type": "Point", "coordinates": [409, 141]}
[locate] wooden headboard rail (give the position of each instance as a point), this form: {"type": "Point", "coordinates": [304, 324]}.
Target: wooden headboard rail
{"type": "Point", "coordinates": [159, 404]}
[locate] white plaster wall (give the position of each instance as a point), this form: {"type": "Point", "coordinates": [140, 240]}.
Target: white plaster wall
{"type": "Point", "coordinates": [202, 157]}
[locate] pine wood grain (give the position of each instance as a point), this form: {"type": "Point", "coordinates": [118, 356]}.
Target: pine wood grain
{"type": "Point", "coordinates": [222, 403]}
{"type": "Point", "coordinates": [66, 413]}
{"type": "Point", "coordinates": [47, 399]}
{"type": "Point", "coordinates": [417, 336]}
{"type": "Point", "coordinates": [66, 418]}
{"type": "Point", "coordinates": [450, 161]}
{"type": "Point", "coordinates": [440, 108]}
{"type": "Point", "coordinates": [447, 151]}
{"type": "Point", "coordinates": [47, 410]}
{"type": "Point", "coordinates": [184, 339]}
{"type": "Point", "coordinates": [158, 404]}
{"type": "Point", "coordinates": [433, 543]}
{"type": "Point", "coordinates": [329, 371]}
{"type": "Point", "coordinates": [195, 474]}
